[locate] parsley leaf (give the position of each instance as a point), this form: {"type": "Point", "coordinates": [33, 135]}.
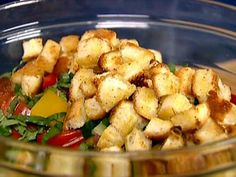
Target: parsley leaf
{"type": "Point", "coordinates": [87, 128]}
{"type": "Point", "coordinates": [13, 105]}
{"type": "Point", "coordinates": [65, 80]}
{"type": "Point", "coordinates": [172, 67]}
{"type": "Point", "coordinates": [52, 132]}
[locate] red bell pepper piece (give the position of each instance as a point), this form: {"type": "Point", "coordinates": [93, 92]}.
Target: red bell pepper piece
{"type": "Point", "coordinates": [70, 139]}
{"type": "Point", "coordinates": [49, 80]}
{"type": "Point", "coordinates": [233, 98]}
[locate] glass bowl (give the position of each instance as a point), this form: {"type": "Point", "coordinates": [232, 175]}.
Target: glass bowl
{"type": "Point", "coordinates": [199, 33]}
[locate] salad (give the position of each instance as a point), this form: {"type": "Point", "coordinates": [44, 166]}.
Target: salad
{"type": "Point", "coordinates": [99, 92]}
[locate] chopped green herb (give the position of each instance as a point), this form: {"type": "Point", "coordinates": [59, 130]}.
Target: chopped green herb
{"type": "Point", "coordinates": [13, 105]}
{"type": "Point", "coordinates": [52, 132]}
{"type": "Point", "coordinates": [84, 147]}
{"type": "Point", "coordinates": [18, 90]}
{"type": "Point", "coordinates": [87, 128]}
{"type": "Point", "coordinates": [32, 101]}
{"type": "Point", "coordinates": [65, 80]}
{"type": "Point", "coordinates": [29, 136]}
{"type": "Point", "coordinates": [105, 121]}
{"type": "Point", "coordinates": [10, 122]}
{"type": "Point", "coordinates": [172, 67]}
{"type": "Point", "coordinates": [5, 131]}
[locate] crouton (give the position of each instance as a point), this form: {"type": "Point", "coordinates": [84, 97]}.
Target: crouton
{"type": "Point", "coordinates": [123, 42]}
{"type": "Point", "coordinates": [157, 55]}
{"type": "Point", "coordinates": [136, 141]}
{"type": "Point", "coordinates": [49, 56]}
{"type": "Point", "coordinates": [32, 48]}
{"type": "Point", "coordinates": [105, 34]}
{"type": "Point", "coordinates": [112, 149]}
{"type": "Point", "coordinates": [191, 119]}
{"type": "Point", "coordinates": [209, 132]}
{"type": "Point", "coordinates": [145, 102]}
{"type": "Point", "coordinates": [76, 115]}
{"type": "Point", "coordinates": [31, 84]}
{"type": "Point", "coordinates": [158, 129]}
{"type": "Point", "coordinates": [82, 84]}
{"type": "Point", "coordinates": [165, 84]}
{"type": "Point", "coordinates": [124, 118]}
{"type": "Point", "coordinates": [110, 137]}
{"type": "Point", "coordinates": [112, 89]}
{"type": "Point", "coordinates": [131, 53]}
{"type": "Point", "coordinates": [223, 91]}
{"type": "Point", "coordinates": [110, 61]}
{"type": "Point", "coordinates": [69, 43]}
{"type": "Point", "coordinates": [204, 80]}
{"type": "Point", "coordinates": [174, 141]}
{"type": "Point", "coordinates": [185, 76]}
{"type": "Point", "coordinates": [173, 104]}
{"type": "Point", "coordinates": [89, 51]}
{"type": "Point", "coordinates": [93, 109]}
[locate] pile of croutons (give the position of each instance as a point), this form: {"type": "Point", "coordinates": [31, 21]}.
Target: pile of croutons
{"type": "Point", "coordinates": [147, 104]}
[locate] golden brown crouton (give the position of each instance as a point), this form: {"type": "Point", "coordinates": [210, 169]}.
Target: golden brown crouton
{"type": "Point", "coordinates": [165, 84]}
{"type": "Point", "coordinates": [145, 102]}
{"type": "Point", "coordinates": [105, 34]}
{"type": "Point", "coordinates": [110, 61]}
{"type": "Point", "coordinates": [157, 55]}
{"type": "Point", "coordinates": [136, 141]}
{"type": "Point", "coordinates": [82, 84]}
{"type": "Point", "coordinates": [110, 137]}
{"type": "Point", "coordinates": [89, 51]}
{"type": "Point", "coordinates": [93, 109]}
{"type": "Point", "coordinates": [124, 118]}
{"type": "Point", "coordinates": [69, 43]}
{"type": "Point", "coordinates": [76, 115]}
{"type": "Point", "coordinates": [112, 89]}
{"type": "Point", "coordinates": [158, 129]}
{"type": "Point", "coordinates": [32, 48]}
{"type": "Point", "coordinates": [49, 56]}
{"type": "Point", "coordinates": [173, 104]}
{"type": "Point", "coordinates": [174, 141]}
{"type": "Point", "coordinates": [185, 76]}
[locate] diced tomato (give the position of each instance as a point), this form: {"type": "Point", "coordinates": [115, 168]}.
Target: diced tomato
{"type": "Point", "coordinates": [70, 139]}
{"type": "Point", "coordinates": [5, 104]}
{"type": "Point", "coordinates": [49, 80]}
{"type": "Point", "coordinates": [22, 109]}
{"type": "Point", "coordinates": [233, 98]}
{"type": "Point", "coordinates": [15, 134]}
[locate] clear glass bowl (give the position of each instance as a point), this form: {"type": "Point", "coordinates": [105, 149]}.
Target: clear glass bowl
{"type": "Point", "coordinates": [199, 33]}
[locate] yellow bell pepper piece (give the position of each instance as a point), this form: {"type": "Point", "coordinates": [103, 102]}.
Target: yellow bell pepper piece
{"type": "Point", "coordinates": [50, 103]}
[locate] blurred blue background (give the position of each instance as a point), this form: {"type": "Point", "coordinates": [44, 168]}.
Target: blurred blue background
{"type": "Point", "coordinates": [233, 2]}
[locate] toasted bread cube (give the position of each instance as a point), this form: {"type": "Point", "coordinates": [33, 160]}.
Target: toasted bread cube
{"type": "Point", "coordinates": [31, 84]}
{"type": "Point", "coordinates": [82, 84]}
{"type": "Point", "coordinates": [157, 68]}
{"type": "Point", "coordinates": [174, 141]}
{"type": "Point", "coordinates": [124, 118]}
{"type": "Point", "coordinates": [209, 132]}
{"type": "Point", "coordinates": [157, 54]}
{"type": "Point", "coordinates": [112, 89]}
{"type": "Point", "coordinates": [69, 43]}
{"type": "Point", "coordinates": [89, 51]}
{"type": "Point", "coordinates": [110, 61]}
{"type": "Point", "coordinates": [112, 149]}
{"type": "Point", "coordinates": [132, 53]}
{"type": "Point", "coordinates": [224, 91]}
{"type": "Point", "coordinates": [165, 84]}
{"type": "Point", "coordinates": [158, 129]}
{"type": "Point", "coordinates": [130, 71]}
{"type": "Point", "coordinates": [93, 109]}
{"type": "Point", "coordinates": [32, 48]}
{"type": "Point", "coordinates": [110, 137]}
{"type": "Point", "coordinates": [204, 80]}
{"type": "Point", "coordinates": [145, 102]}
{"type": "Point", "coordinates": [105, 34]}
{"type": "Point", "coordinates": [123, 42]}
{"type": "Point", "coordinates": [185, 76]}
{"type": "Point", "coordinates": [76, 115]}
{"type": "Point", "coordinates": [173, 104]}
{"type": "Point", "coordinates": [229, 118]}
{"type": "Point", "coordinates": [136, 141]}
{"type": "Point", "coordinates": [191, 119]}
{"type": "Point", "coordinates": [49, 56]}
